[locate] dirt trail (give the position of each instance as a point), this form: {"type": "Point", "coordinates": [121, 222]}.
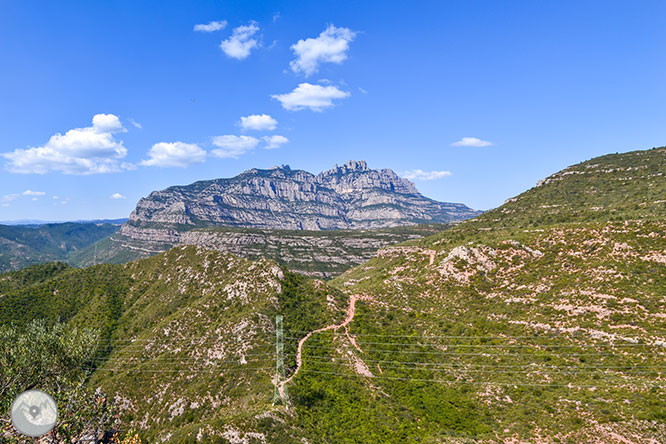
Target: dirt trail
{"type": "Point", "coordinates": [351, 311]}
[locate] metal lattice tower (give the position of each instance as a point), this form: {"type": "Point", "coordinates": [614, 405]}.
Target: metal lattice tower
{"type": "Point", "coordinates": [279, 364]}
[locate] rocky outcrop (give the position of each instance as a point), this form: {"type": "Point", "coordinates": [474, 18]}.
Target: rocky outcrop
{"type": "Point", "coordinates": [284, 209]}
{"type": "Point", "coordinates": [351, 196]}
{"type": "Point", "coordinates": [322, 254]}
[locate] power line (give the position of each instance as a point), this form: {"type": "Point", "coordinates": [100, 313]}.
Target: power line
{"type": "Point", "coordinates": [454, 353]}
{"type": "Point", "coordinates": [547, 335]}
{"type": "Point", "coordinates": [478, 382]}
{"type": "Point", "coordinates": [328, 359]}
{"type": "Point", "coordinates": [507, 345]}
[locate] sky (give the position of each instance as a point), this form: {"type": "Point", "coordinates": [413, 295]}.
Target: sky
{"type": "Point", "coordinates": [475, 101]}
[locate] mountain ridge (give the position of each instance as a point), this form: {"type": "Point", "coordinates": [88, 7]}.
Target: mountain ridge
{"type": "Point", "coordinates": [540, 321]}
{"type": "Point", "coordinates": [350, 196]}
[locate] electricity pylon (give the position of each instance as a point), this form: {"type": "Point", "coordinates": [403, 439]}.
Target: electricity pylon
{"type": "Point", "coordinates": [279, 364]}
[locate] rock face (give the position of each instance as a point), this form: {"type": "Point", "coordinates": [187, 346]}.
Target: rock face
{"type": "Point", "coordinates": [350, 196]}
{"type": "Point", "coordinates": [322, 254]}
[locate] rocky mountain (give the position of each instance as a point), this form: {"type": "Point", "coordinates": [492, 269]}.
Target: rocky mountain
{"type": "Point", "coordinates": [319, 225]}
{"type": "Point", "coordinates": [351, 196]}
{"type": "Point", "coordinates": [541, 321]}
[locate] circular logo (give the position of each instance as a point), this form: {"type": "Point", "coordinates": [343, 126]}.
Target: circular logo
{"type": "Point", "coordinates": [34, 413]}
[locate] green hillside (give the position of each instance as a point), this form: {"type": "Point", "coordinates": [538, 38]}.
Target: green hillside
{"type": "Point", "coordinates": [25, 245]}
{"type": "Point", "coordinates": [545, 317]}
{"type": "Point", "coordinates": [541, 321]}
{"type": "Point", "coordinates": [321, 254]}
{"type": "Point", "coordinates": [186, 335]}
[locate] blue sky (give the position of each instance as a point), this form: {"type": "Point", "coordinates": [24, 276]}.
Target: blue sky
{"type": "Point", "coordinates": [395, 83]}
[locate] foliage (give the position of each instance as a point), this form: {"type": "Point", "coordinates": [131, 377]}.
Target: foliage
{"type": "Point", "coordinates": [54, 358]}
{"type": "Point", "coordinates": [25, 245]}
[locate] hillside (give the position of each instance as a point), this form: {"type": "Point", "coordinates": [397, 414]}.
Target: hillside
{"type": "Point", "coordinates": [321, 254]}
{"type": "Point", "coordinates": [541, 321]}
{"type": "Point", "coordinates": [545, 317]}
{"type": "Point", "coordinates": [24, 245]}
{"type": "Point", "coordinates": [187, 335]}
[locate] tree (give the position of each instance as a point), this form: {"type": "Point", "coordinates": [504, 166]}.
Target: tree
{"type": "Point", "coordinates": [58, 360]}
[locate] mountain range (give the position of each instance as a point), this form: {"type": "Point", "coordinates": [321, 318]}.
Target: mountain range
{"type": "Point", "coordinates": [351, 196]}
{"type": "Point", "coordinates": [318, 225]}
{"type": "Point", "coordinates": [540, 321]}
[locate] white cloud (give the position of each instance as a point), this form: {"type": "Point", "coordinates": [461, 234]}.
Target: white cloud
{"type": "Point", "coordinates": [331, 46]}
{"type": "Point", "coordinates": [233, 146]}
{"type": "Point", "coordinates": [176, 154]}
{"type": "Point", "coordinates": [117, 196]}
{"type": "Point", "coordinates": [306, 95]}
{"type": "Point", "coordinates": [135, 124]}
{"type": "Point", "coordinates": [33, 193]}
{"type": "Point", "coordinates": [9, 197]}
{"type": "Point", "coordinates": [211, 26]}
{"type": "Point", "coordinates": [88, 150]}
{"type": "Point", "coordinates": [471, 141]}
{"type": "Point", "coordinates": [275, 141]}
{"type": "Point", "coordinates": [259, 122]}
{"type": "Point", "coordinates": [239, 45]}
{"type": "Point", "coordinates": [425, 175]}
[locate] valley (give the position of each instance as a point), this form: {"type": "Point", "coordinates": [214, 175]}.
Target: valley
{"type": "Point", "coordinates": [540, 321]}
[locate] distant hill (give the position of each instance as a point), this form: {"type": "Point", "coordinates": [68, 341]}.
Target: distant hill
{"type": "Point", "coordinates": [541, 321]}
{"type": "Point", "coordinates": [37, 222]}
{"type": "Point", "coordinates": [25, 245]}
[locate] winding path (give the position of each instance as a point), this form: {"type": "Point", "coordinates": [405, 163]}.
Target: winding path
{"type": "Point", "coordinates": [351, 311]}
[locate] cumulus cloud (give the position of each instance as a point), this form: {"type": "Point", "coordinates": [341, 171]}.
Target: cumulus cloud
{"type": "Point", "coordinates": [33, 193]}
{"type": "Point", "coordinates": [240, 44]}
{"type": "Point", "coordinates": [471, 141]}
{"type": "Point", "coordinates": [175, 154]}
{"type": "Point", "coordinates": [259, 122]}
{"type": "Point", "coordinates": [314, 97]}
{"type": "Point", "coordinates": [425, 175]}
{"type": "Point", "coordinates": [331, 46]}
{"type": "Point", "coordinates": [88, 150]}
{"type": "Point", "coordinates": [233, 146]}
{"type": "Point", "coordinates": [275, 141]}
{"type": "Point", "coordinates": [117, 196]}
{"type": "Point", "coordinates": [211, 26]}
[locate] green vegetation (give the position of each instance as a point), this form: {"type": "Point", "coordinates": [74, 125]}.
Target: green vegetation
{"type": "Point", "coordinates": [25, 245]}
{"type": "Point", "coordinates": [547, 311]}
{"type": "Point", "coordinates": [539, 321]}
{"type": "Point", "coordinates": [189, 323]}
{"type": "Point", "coordinates": [323, 254]}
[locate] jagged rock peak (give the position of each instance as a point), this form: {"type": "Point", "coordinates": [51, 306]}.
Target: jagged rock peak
{"type": "Point", "coordinates": [351, 196]}
{"type": "Point", "coordinates": [351, 165]}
